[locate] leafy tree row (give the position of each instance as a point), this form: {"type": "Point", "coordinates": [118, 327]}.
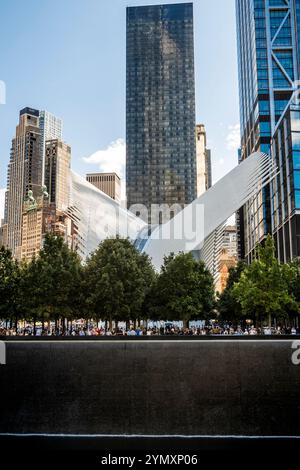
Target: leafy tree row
{"type": "Point", "coordinates": [117, 283]}
{"type": "Point", "coordinates": [264, 291]}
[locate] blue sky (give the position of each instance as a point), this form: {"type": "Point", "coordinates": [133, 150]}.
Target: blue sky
{"type": "Point", "coordinates": [68, 56]}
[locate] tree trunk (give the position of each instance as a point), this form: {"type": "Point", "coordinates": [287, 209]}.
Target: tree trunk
{"type": "Point", "coordinates": [34, 326]}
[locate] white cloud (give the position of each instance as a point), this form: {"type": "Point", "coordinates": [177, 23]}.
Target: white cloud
{"type": "Point", "coordinates": [2, 199]}
{"type": "Point", "coordinates": [233, 138]}
{"type": "Point", "coordinates": [111, 159]}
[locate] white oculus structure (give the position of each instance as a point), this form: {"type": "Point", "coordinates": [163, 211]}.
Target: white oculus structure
{"type": "Point", "coordinates": [196, 228]}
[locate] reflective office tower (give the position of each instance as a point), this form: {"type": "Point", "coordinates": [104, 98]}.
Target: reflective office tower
{"type": "Point", "coordinates": [51, 128]}
{"type": "Point", "coordinates": [268, 54]}
{"type": "Point", "coordinates": [109, 183]}
{"type": "Point", "coordinates": [160, 107]}
{"type": "Point", "coordinates": [24, 175]}
{"type": "Point", "coordinates": [203, 158]}
{"type": "Point", "coordinates": [285, 202]}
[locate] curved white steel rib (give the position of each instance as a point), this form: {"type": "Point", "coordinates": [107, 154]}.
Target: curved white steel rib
{"type": "Point", "coordinates": [96, 216]}
{"type": "Point", "coordinates": [211, 209]}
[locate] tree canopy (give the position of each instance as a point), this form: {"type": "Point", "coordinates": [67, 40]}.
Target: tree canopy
{"type": "Point", "coordinates": [118, 278]}
{"type": "Point", "coordinates": [184, 290]}
{"type": "Point", "coordinates": [229, 306]}
{"type": "Point", "coordinates": [118, 283]}
{"type": "Point", "coordinates": [263, 289]}
{"type": "Point", "coordinates": [10, 294]}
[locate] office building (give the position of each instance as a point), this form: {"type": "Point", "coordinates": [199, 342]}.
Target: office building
{"type": "Point", "coordinates": [26, 170]}
{"type": "Point", "coordinates": [51, 128]}
{"type": "Point", "coordinates": [221, 250]}
{"type": "Point", "coordinates": [57, 172]}
{"type": "Point", "coordinates": [226, 262]}
{"type": "Point", "coordinates": [268, 53]}
{"type": "Point", "coordinates": [229, 240]}
{"type": "Point", "coordinates": [40, 217]}
{"type": "Point", "coordinates": [160, 107]}
{"type": "Point", "coordinates": [37, 219]}
{"type": "Point", "coordinates": [285, 202]}
{"type": "Point", "coordinates": [203, 159]}
{"type": "Point", "coordinates": [24, 175]}
{"type": "Point", "coordinates": [2, 234]}
{"type": "Point", "coordinates": [47, 213]}
{"type": "Point", "coordinates": [109, 183]}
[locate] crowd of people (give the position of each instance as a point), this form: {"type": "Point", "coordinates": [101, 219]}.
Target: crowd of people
{"type": "Point", "coordinates": [169, 330]}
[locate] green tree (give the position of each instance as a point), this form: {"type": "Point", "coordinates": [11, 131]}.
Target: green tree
{"type": "Point", "coordinates": [10, 293]}
{"type": "Point", "coordinates": [117, 279]}
{"type": "Point", "coordinates": [229, 307]}
{"type": "Point", "coordinates": [263, 289]}
{"type": "Point", "coordinates": [294, 286]}
{"type": "Point", "coordinates": [184, 290]}
{"type": "Point", "coordinates": [55, 280]}
{"type": "Point", "coordinates": [31, 292]}
{"type": "Point", "coordinates": [10, 275]}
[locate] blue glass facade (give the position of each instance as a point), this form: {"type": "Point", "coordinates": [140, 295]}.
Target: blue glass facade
{"type": "Point", "coordinates": [160, 106]}
{"type": "Point", "coordinates": [268, 56]}
{"type": "Point", "coordinates": [286, 186]}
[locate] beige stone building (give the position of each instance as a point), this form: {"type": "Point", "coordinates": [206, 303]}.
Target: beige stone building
{"type": "Point", "coordinates": [24, 174]}
{"type": "Point", "coordinates": [3, 235]}
{"type": "Point", "coordinates": [47, 212]}
{"type": "Point", "coordinates": [227, 257]}
{"type": "Point", "coordinates": [109, 183]}
{"type": "Point", "coordinates": [25, 170]}
{"type": "Point", "coordinates": [37, 220]}
{"type": "Point", "coordinates": [226, 262]}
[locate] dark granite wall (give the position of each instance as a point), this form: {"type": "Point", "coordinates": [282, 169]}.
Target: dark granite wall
{"type": "Point", "coordinates": [146, 387]}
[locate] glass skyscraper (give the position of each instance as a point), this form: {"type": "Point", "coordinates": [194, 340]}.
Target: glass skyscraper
{"type": "Point", "coordinates": [268, 55]}
{"type": "Point", "coordinates": [51, 128]}
{"type": "Point", "coordinates": [160, 107]}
